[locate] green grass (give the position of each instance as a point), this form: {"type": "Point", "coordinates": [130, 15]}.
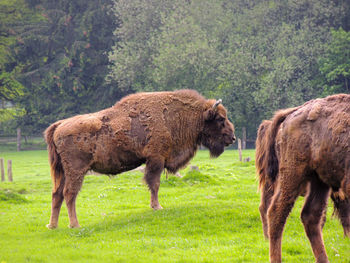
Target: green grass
{"type": "Point", "coordinates": [210, 215]}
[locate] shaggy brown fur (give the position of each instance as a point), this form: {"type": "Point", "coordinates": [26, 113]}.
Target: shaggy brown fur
{"type": "Point", "coordinates": [266, 184]}
{"type": "Point", "coordinates": [161, 129]}
{"type": "Point", "coordinates": [307, 145]}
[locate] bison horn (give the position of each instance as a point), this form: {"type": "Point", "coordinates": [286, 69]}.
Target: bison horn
{"type": "Point", "coordinates": [216, 104]}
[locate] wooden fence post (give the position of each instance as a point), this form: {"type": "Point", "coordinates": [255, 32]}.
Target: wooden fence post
{"type": "Point", "coordinates": [18, 139]}
{"type": "Point", "coordinates": [2, 169]}
{"type": "Point", "coordinates": [9, 170]}
{"type": "Point", "coordinates": [240, 149]}
{"type": "Point", "coordinates": [244, 138]}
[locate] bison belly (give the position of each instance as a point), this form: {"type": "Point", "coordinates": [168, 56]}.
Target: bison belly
{"type": "Point", "coordinates": [116, 162]}
{"type": "Point", "coordinates": [97, 152]}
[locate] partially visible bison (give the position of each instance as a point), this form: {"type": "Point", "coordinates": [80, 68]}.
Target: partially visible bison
{"type": "Point", "coordinates": [305, 148]}
{"type": "Point", "coordinates": [267, 186]}
{"type": "Point", "coordinates": [161, 129]}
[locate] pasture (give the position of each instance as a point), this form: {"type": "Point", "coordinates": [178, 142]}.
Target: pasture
{"type": "Point", "coordinates": [208, 216]}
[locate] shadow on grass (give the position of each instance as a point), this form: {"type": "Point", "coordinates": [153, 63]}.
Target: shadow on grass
{"type": "Point", "coordinates": [192, 220]}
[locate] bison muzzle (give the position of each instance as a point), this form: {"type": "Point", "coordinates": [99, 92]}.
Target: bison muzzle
{"type": "Point", "coordinates": [161, 129]}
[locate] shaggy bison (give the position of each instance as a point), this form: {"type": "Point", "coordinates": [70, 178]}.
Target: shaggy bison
{"type": "Point", "coordinates": [266, 185]}
{"type": "Point", "coordinates": [306, 147]}
{"type": "Point", "coordinates": [161, 129]}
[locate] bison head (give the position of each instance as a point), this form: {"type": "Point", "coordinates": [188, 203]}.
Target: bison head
{"type": "Point", "coordinates": [218, 131]}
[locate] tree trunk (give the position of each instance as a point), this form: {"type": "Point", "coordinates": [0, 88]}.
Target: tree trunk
{"type": "Point", "coordinates": [18, 139]}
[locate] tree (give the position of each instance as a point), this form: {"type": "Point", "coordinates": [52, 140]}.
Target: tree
{"type": "Point", "coordinates": [132, 56]}
{"type": "Point", "coordinates": [13, 15]}
{"type": "Point", "coordinates": [186, 56]}
{"type": "Point", "coordinates": [259, 56]}
{"type": "Point", "coordinates": [61, 60]}
{"type": "Point", "coordinates": [335, 65]}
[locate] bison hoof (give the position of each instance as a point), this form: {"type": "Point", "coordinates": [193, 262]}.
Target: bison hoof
{"type": "Point", "coordinates": [157, 207]}
{"type": "Point", "coordinates": [49, 226]}
{"type": "Point", "coordinates": [74, 226]}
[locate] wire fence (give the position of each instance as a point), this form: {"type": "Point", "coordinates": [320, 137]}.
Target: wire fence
{"type": "Point", "coordinates": [8, 143]}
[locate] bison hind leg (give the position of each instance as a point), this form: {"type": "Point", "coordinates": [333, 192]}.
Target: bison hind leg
{"type": "Point", "coordinates": [313, 216]}
{"type": "Point", "coordinates": [267, 192]}
{"type": "Point", "coordinates": [342, 211]}
{"type": "Point", "coordinates": [73, 181]}
{"type": "Point", "coordinates": [344, 215]}
{"type": "Point", "coordinates": [344, 204]}
{"type": "Point", "coordinates": [57, 199]}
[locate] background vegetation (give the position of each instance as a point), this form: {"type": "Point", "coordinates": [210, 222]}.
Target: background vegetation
{"type": "Point", "coordinates": [61, 58]}
{"type": "Point", "coordinates": [208, 216]}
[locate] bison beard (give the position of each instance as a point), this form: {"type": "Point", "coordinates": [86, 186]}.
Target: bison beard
{"type": "Point", "coordinates": [161, 129]}
{"type": "Point", "coordinates": [215, 147]}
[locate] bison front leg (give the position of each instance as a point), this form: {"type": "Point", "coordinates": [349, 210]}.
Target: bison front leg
{"type": "Point", "coordinates": [154, 168]}
{"type": "Point", "coordinates": [57, 199]}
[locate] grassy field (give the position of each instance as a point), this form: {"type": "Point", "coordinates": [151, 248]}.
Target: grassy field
{"type": "Point", "coordinates": [208, 216]}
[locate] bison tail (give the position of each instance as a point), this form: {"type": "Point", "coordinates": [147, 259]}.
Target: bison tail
{"type": "Point", "coordinates": [57, 173]}
{"type": "Point", "coordinates": [271, 156]}
{"type": "Point", "coordinates": [260, 153]}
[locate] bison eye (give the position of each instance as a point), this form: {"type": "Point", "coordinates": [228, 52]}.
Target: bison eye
{"type": "Point", "coordinates": [221, 119]}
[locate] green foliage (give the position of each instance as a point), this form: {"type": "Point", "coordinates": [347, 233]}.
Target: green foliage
{"type": "Point", "coordinates": [10, 90]}
{"type": "Point", "coordinates": [10, 87]}
{"type": "Point", "coordinates": [202, 222]}
{"type": "Point", "coordinates": [258, 56]}
{"type": "Point", "coordinates": [9, 114]}
{"type": "Point", "coordinates": [13, 14]}
{"type": "Point", "coordinates": [132, 57]}
{"type": "Point", "coordinates": [60, 57]}
{"type": "Point", "coordinates": [335, 66]}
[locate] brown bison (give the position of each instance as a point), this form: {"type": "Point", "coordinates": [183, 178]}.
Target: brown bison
{"type": "Point", "coordinates": [161, 129]}
{"type": "Point", "coordinates": [266, 185]}
{"type": "Point", "coordinates": [306, 147]}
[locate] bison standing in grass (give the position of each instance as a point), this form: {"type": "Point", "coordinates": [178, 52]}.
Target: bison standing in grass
{"type": "Point", "coordinates": [161, 129]}
{"type": "Point", "coordinates": [306, 147]}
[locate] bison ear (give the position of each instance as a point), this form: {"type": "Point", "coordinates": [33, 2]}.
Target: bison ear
{"type": "Point", "coordinates": [209, 114]}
